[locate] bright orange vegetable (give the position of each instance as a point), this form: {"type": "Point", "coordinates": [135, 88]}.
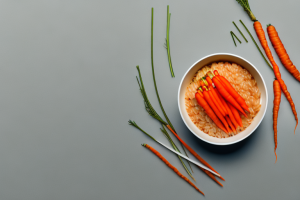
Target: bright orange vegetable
{"type": "Point", "coordinates": [281, 52]}
{"type": "Point", "coordinates": [230, 124]}
{"type": "Point", "coordinates": [227, 96]}
{"type": "Point", "coordinates": [233, 120]}
{"type": "Point", "coordinates": [192, 151]}
{"type": "Point", "coordinates": [232, 91]}
{"type": "Point", "coordinates": [235, 114]}
{"type": "Point", "coordinates": [210, 102]}
{"type": "Point", "coordinates": [214, 92]}
{"type": "Point", "coordinates": [276, 103]}
{"type": "Point", "coordinates": [171, 166]}
{"type": "Point", "coordinates": [202, 102]}
{"type": "Point", "coordinates": [216, 101]}
{"type": "Point", "coordinates": [261, 36]}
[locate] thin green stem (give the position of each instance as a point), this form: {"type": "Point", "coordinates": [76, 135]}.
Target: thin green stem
{"type": "Point", "coordinates": [256, 45]}
{"type": "Point", "coordinates": [168, 42]}
{"type": "Point", "coordinates": [240, 31]}
{"type": "Point", "coordinates": [153, 74]}
{"type": "Point", "coordinates": [232, 38]}
{"type": "Point", "coordinates": [235, 37]}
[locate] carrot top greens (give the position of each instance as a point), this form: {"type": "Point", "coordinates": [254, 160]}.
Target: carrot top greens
{"type": "Point", "coordinates": [246, 6]}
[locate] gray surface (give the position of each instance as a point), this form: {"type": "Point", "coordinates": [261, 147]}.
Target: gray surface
{"type": "Point", "coordinates": [68, 89]}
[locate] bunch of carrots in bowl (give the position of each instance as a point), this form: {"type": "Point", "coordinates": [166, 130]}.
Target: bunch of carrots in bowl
{"type": "Point", "coordinates": [221, 102]}
{"type": "Point", "coordinates": [232, 110]}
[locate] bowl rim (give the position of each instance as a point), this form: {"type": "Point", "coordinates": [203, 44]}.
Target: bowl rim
{"type": "Point", "coordinates": [178, 99]}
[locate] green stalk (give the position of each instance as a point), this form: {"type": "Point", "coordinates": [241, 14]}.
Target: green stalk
{"type": "Point", "coordinates": [240, 31]}
{"type": "Point", "coordinates": [232, 38]}
{"type": "Point", "coordinates": [168, 42]}
{"type": "Point", "coordinates": [235, 37]}
{"type": "Point", "coordinates": [256, 45]}
{"type": "Point", "coordinates": [153, 74]}
{"type": "Point", "coordinates": [246, 6]}
{"type": "Point", "coordinates": [132, 123]}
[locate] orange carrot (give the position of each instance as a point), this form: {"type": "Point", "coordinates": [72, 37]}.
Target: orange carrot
{"type": "Point", "coordinates": [193, 152]}
{"type": "Point", "coordinates": [230, 114]}
{"type": "Point", "coordinates": [210, 102]}
{"type": "Point", "coordinates": [232, 91]}
{"type": "Point", "coordinates": [214, 92]}
{"type": "Point", "coordinates": [211, 176]}
{"type": "Point", "coordinates": [261, 36]}
{"type": "Point", "coordinates": [202, 102]}
{"type": "Point", "coordinates": [276, 103]}
{"type": "Point", "coordinates": [235, 114]}
{"type": "Point", "coordinates": [230, 124]}
{"type": "Point", "coordinates": [216, 101]}
{"type": "Point", "coordinates": [281, 52]}
{"type": "Point", "coordinates": [171, 166]}
{"type": "Point", "coordinates": [227, 96]}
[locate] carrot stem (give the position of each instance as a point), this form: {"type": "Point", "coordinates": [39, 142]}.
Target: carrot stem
{"type": "Point", "coordinates": [240, 31]}
{"type": "Point", "coordinates": [236, 37]}
{"type": "Point", "coordinates": [154, 81]}
{"type": "Point", "coordinates": [232, 38]}
{"type": "Point", "coordinates": [168, 42]}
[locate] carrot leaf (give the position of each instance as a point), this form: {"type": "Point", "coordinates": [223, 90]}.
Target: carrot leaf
{"type": "Point", "coordinates": [246, 6]}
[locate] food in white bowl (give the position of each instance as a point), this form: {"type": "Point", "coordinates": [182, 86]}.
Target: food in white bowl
{"type": "Point", "coordinates": [246, 80]}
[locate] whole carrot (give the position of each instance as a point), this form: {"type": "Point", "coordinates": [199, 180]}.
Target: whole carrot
{"type": "Point", "coordinates": [202, 102]}
{"type": "Point", "coordinates": [193, 152]}
{"type": "Point", "coordinates": [171, 166]}
{"type": "Point", "coordinates": [214, 92]}
{"type": "Point", "coordinates": [227, 96]}
{"type": "Point", "coordinates": [261, 36]}
{"type": "Point", "coordinates": [235, 114]}
{"type": "Point", "coordinates": [210, 102]}
{"type": "Point", "coordinates": [232, 91]}
{"type": "Point", "coordinates": [281, 52]}
{"type": "Point", "coordinates": [216, 101]}
{"type": "Point", "coordinates": [230, 114]}
{"type": "Point", "coordinates": [276, 103]}
{"type": "Point", "coordinates": [230, 124]}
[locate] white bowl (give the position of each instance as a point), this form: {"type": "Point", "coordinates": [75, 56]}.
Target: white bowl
{"type": "Point", "coordinates": [186, 81]}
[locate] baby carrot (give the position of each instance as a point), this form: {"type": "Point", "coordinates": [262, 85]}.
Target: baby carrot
{"type": "Point", "coordinates": [232, 91]}
{"type": "Point", "coordinates": [236, 114]}
{"type": "Point", "coordinates": [194, 152]}
{"type": "Point", "coordinates": [214, 92]}
{"type": "Point", "coordinates": [262, 38]}
{"type": "Point", "coordinates": [230, 124]}
{"type": "Point", "coordinates": [171, 166]}
{"type": "Point", "coordinates": [215, 109]}
{"type": "Point", "coordinates": [202, 102]}
{"type": "Point", "coordinates": [276, 103]}
{"type": "Point", "coordinates": [216, 102]}
{"type": "Point", "coordinates": [227, 96]}
{"type": "Point", "coordinates": [228, 111]}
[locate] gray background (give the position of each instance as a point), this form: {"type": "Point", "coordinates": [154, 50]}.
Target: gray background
{"type": "Point", "coordinates": [68, 89]}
